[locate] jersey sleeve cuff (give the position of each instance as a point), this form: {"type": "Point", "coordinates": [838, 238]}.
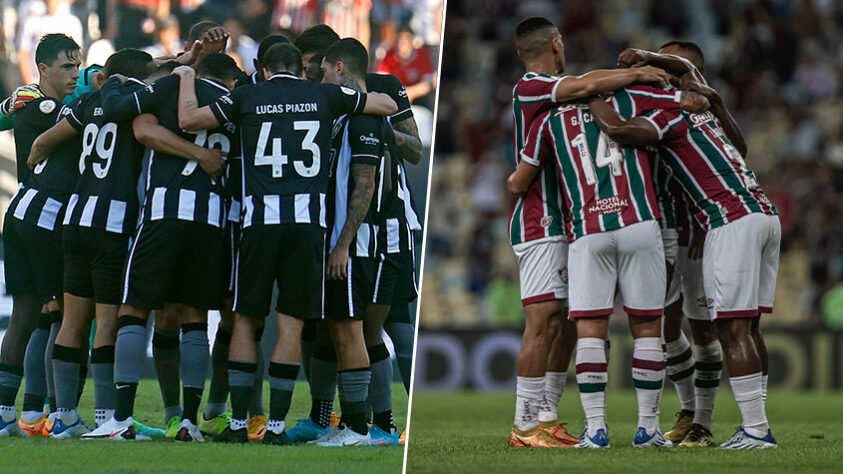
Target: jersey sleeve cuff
{"type": "Point", "coordinates": [556, 86]}
{"type": "Point", "coordinates": [365, 159]}
{"type": "Point", "coordinates": [401, 115]}
{"type": "Point", "coordinates": [219, 114]}
{"type": "Point", "coordinates": [529, 159]}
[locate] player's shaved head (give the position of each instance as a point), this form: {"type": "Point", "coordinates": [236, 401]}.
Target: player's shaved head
{"type": "Point", "coordinates": [198, 30]}
{"type": "Point", "coordinates": [269, 42]}
{"type": "Point", "coordinates": [533, 37]}
{"type": "Point", "coordinates": [130, 63]}
{"type": "Point", "coordinates": [283, 57]}
{"type": "Point", "coordinates": [352, 54]}
{"type": "Point", "coordinates": [219, 66]}
{"type": "Point", "coordinates": [685, 49]}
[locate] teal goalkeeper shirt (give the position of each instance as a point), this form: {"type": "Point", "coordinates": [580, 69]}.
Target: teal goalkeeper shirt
{"type": "Point", "coordinates": [83, 85]}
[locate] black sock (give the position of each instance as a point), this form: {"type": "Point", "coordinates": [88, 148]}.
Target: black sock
{"type": "Point", "coordinates": [241, 379]}
{"type": "Point", "coordinates": [33, 402]}
{"type": "Point", "coordinates": [10, 378]}
{"type": "Point", "coordinates": [240, 397]}
{"type": "Point", "coordinates": [383, 420]}
{"type": "Point", "coordinates": [320, 411]}
{"type": "Point", "coordinates": [125, 400]}
{"type": "Point", "coordinates": [83, 375]}
{"type": "Point", "coordinates": [354, 415]}
{"type": "Point", "coordinates": [192, 398]}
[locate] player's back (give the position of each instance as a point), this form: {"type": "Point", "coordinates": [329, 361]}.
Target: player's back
{"type": "Point", "coordinates": [606, 186]}
{"type": "Point", "coordinates": [105, 196]}
{"type": "Point", "coordinates": [286, 138]}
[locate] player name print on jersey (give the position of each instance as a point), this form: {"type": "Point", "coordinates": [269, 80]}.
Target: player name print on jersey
{"type": "Point", "coordinates": [286, 108]}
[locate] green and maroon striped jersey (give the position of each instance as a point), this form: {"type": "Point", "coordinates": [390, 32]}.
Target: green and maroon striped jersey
{"type": "Point", "coordinates": [605, 186]}
{"type": "Point", "coordinates": [538, 213]}
{"type": "Point", "coordinates": [710, 169]}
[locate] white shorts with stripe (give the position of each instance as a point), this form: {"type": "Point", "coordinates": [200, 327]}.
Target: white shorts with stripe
{"type": "Point", "coordinates": [630, 258]}
{"type": "Point", "coordinates": [688, 281]}
{"type": "Point", "coordinates": [543, 269]}
{"type": "Point", "coordinates": [740, 265]}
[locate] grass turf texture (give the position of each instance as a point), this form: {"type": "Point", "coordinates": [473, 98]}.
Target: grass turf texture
{"type": "Point", "coordinates": [160, 455]}
{"type": "Point", "coordinates": [468, 432]}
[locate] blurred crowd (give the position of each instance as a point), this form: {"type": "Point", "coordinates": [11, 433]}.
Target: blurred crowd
{"type": "Point", "coordinates": [778, 65]}
{"type": "Point", "coordinates": [402, 35]}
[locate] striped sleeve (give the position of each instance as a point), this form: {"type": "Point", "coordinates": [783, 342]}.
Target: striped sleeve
{"type": "Point", "coordinates": [664, 120]}
{"type": "Point", "coordinates": [537, 89]}
{"type": "Point", "coordinates": [532, 152]}
{"type": "Point", "coordinates": [646, 98]}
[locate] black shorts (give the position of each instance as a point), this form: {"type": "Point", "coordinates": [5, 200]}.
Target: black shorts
{"type": "Point", "coordinates": [34, 259]}
{"type": "Point", "coordinates": [176, 262]}
{"type": "Point", "coordinates": [94, 262]}
{"type": "Point", "coordinates": [232, 243]}
{"type": "Point", "coordinates": [370, 280]}
{"type": "Point", "coordinates": [406, 289]}
{"type": "Point", "coordinates": [290, 255]}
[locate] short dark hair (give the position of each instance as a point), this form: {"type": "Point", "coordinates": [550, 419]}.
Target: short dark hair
{"type": "Point", "coordinates": [313, 71]}
{"type": "Point", "coordinates": [51, 45]}
{"type": "Point", "coordinates": [283, 57]}
{"type": "Point", "coordinates": [352, 53]}
{"type": "Point", "coordinates": [269, 42]}
{"type": "Point", "coordinates": [316, 39]}
{"type": "Point", "coordinates": [526, 40]}
{"type": "Point", "coordinates": [219, 66]}
{"type": "Point", "coordinates": [128, 62]}
{"type": "Point", "coordinates": [198, 30]}
{"type": "Point", "coordinates": [689, 46]}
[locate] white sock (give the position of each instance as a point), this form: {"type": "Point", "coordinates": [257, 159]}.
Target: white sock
{"type": "Point", "coordinates": [7, 413]}
{"type": "Point", "coordinates": [554, 386]}
{"type": "Point", "coordinates": [68, 416]}
{"type": "Point", "coordinates": [529, 392]}
{"type": "Point", "coordinates": [648, 378]}
{"type": "Point", "coordinates": [101, 415]}
{"type": "Point", "coordinates": [238, 424]}
{"type": "Point", "coordinates": [750, 398]}
{"type": "Point", "coordinates": [764, 386]}
{"type": "Point", "coordinates": [275, 426]}
{"type": "Point", "coordinates": [707, 369]}
{"type": "Point", "coordinates": [591, 379]}
{"type": "Point", "coordinates": [679, 366]}
{"type": "Point", "coordinates": [31, 416]}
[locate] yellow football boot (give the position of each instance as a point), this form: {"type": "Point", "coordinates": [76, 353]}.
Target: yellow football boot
{"type": "Point", "coordinates": [335, 420]}
{"type": "Point", "coordinates": [35, 428]}
{"type": "Point", "coordinates": [684, 420]}
{"type": "Point", "coordinates": [698, 436]}
{"type": "Point", "coordinates": [256, 427]}
{"type": "Point", "coordinates": [536, 438]}
{"type": "Point", "coordinates": [558, 431]}
{"type": "Point", "coordinates": [403, 438]}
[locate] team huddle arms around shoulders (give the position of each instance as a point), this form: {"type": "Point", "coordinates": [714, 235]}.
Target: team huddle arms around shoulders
{"type": "Point", "coordinates": [181, 185]}
{"type": "Point", "coordinates": [633, 183]}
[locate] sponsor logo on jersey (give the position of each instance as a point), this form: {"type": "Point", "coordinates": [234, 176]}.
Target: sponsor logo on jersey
{"type": "Point", "coordinates": [227, 99]}
{"type": "Point", "coordinates": [609, 205]}
{"type": "Point", "coordinates": [47, 106]}
{"type": "Point", "coordinates": [370, 140]}
{"type": "Point", "coordinates": [546, 221]}
{"type": "Point", "coordinates": [98, 112]}
{"type": "Point", "coordinates": [286, 108]}
{"type": "Point", "coordinates": [65, 110]}
{"type": "Point", "coordinates": [348, 91]}
{"type": "Point", "coordinates": [697, 120]}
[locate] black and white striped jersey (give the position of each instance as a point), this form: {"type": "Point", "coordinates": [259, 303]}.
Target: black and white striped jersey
{"type": "Point", "coordinates": [44, 191]}
{"type": "Point", "coordinates": [356, 140]}
{"type": "Point", "coordinates": [105, 196]}
{"type": "Point", "coordinates": [176, 188]}
{"type": "Point", "coordinates": [400, 216]}
{"type": "Point", "coordinates": [285, 135]}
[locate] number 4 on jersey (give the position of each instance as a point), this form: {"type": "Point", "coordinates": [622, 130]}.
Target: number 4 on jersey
{"type": "Point", "coordinates": [277, 159]}
{"type": "Point", "coordinates": [608, 154]}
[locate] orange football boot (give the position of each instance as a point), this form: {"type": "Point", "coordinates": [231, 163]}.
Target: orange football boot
{"type": "Point", "coordinates": [35, 428]}
{"type": "Point", "coordinates": [558, 431]}
{"type": "Point", "coordinates": [536, 438]}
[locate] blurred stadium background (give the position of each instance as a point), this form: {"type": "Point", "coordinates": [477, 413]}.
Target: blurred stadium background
{"type": "Point", "coordinates": [402, 36]}
{"type": "Point", "coordinates": [778, 65]}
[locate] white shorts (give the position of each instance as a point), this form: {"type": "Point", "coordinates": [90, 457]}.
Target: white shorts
{"type": "Point", "coordinates": [740, 265]}
{"type": "Point", "coordinates": [543, 268]}
{"type": "Point", "coordinates": [670, 242]}
{"type": "Point", "coordinates": [688, 281]}
{"type": "Point", "coordinates": [631, 259]}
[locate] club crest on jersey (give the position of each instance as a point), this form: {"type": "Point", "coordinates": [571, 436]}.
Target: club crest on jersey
{"type": "Point", "coordinates": [609, 205]}
{"type": "Point", "coordinates": [47, 106]}
{"type": "Point", "coordinates": [546, 221]}
{"type": "Point", "coordinates": [563, 274]}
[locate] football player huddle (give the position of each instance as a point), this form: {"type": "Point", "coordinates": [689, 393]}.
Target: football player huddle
{"type": "Point", "coordinates": [168, 187]}
{"type": "Point", "coordinates": [633, 182]}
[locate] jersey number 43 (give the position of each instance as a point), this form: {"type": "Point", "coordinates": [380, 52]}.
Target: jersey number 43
{"type": "Point", "coordinates": [276, 157]}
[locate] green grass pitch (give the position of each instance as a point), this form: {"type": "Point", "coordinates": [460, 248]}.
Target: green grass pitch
{"type": "Point", "coordinates": [468, 432]}
{"type": "Point", "coordinates": [48, 455]}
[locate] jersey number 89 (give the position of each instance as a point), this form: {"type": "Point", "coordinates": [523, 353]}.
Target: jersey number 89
{"type": "Point", "coordinates": [103, 139]}
{"type": "Point", "coordinates": [277, 159]}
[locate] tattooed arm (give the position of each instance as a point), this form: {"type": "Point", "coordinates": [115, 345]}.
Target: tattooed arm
{"type": "Point", "coordinates": [358, 206]}
{"type": "Point", "coordinates": [408, 141]}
